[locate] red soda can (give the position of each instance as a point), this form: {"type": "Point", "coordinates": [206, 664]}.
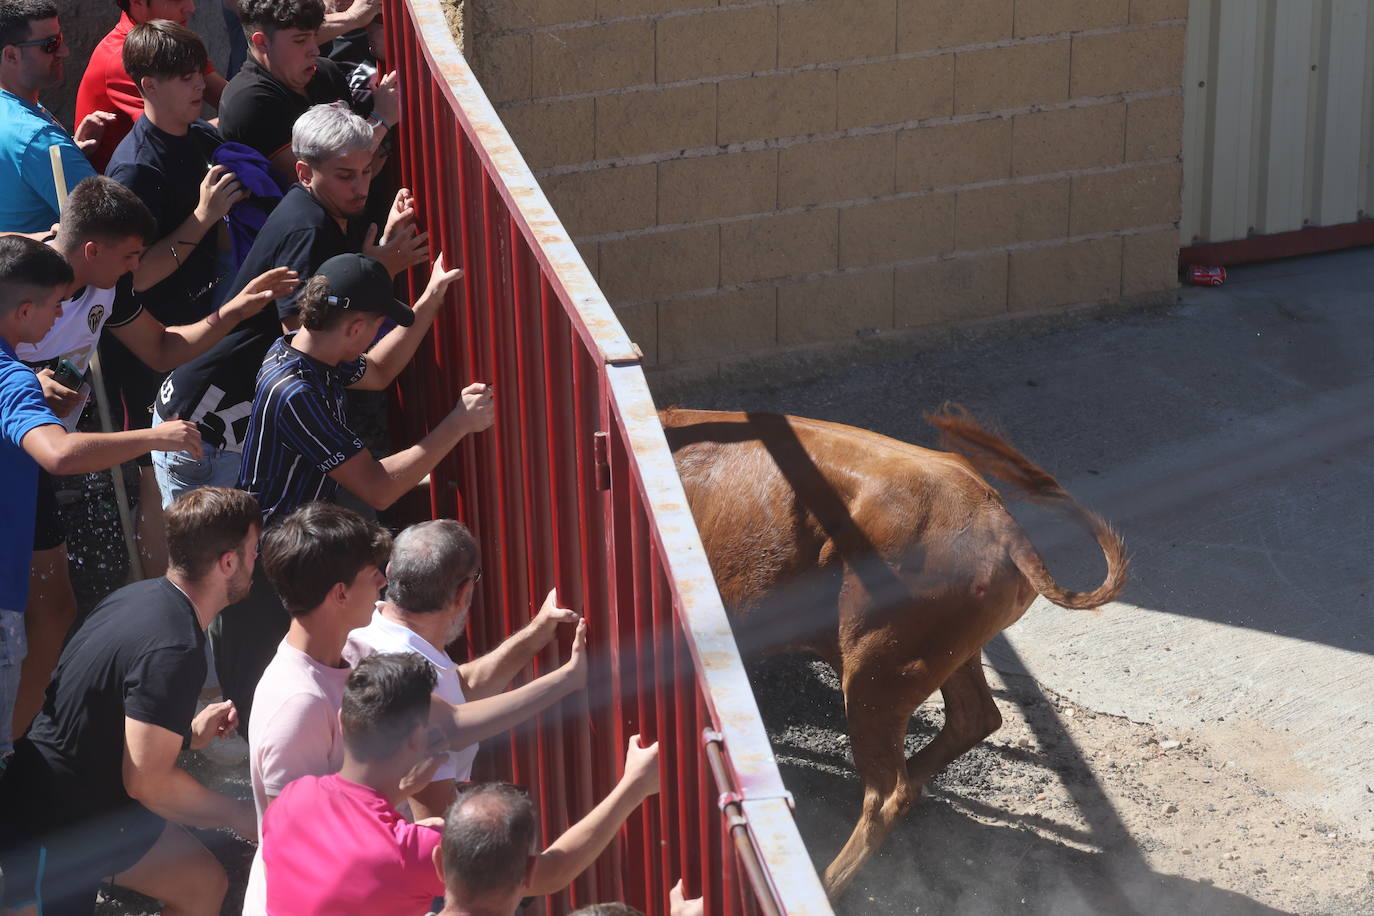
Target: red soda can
{"type": "Point", "coordinates": [1199, 275]}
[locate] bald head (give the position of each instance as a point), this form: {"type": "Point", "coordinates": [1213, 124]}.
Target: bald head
{"type": "Point", "coordinates": [489, 835]}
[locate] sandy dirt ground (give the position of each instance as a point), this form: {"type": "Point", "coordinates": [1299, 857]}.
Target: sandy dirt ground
{"type": "Point", "coordinates": [1062, 811]}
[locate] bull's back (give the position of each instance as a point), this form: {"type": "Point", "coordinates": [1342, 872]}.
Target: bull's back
{"type": "Point", "coordinates": [784, 500]}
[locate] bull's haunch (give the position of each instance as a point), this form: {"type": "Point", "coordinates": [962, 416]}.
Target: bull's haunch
{"type": "Point", "coordinates": [894, 563]}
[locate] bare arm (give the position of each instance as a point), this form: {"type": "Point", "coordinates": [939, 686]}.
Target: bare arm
{"type": "Point", "coordinates": [61, 453]}
{"type": "Point", "coordinates": [390, 355]}
{"type": "Point", "coordinates": [152, 777]}
{"type": "Point", "coordinates": [573, 852]}
{"type": "Point", "coordinates": [163, 348]}
{"type": "Point", "coordinates": [493, 672]}
{"type": "Point", "coordinates": [381, 483]}
{"type": "Point", "coordinates": [468, 723]}
{"type": "Point", "coordinates": [219, 190]}
{"type": "Point", "coordinates": [343, 18]}
{"type": "Point", "coordinates": [433, 800]}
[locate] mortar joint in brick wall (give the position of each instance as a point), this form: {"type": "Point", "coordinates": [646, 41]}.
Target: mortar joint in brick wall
{"type": "Point", "coordinates": [829, 64]}
{"type": "Point", "coordinates": [749, 146]}
{"type": "Point", "coordinates": [707, 291]}
{"type": "Point", "coordinates": [839, 205]}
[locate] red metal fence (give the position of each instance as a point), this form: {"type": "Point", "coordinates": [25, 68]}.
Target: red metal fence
{"type": "Point", "coordinates": [575, 486]}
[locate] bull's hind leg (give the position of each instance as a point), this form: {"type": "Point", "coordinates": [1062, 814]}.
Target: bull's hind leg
{"type": "Point", "coordinates": [970, 716]}
{"type": "Point", "coordinates": [879, 697]}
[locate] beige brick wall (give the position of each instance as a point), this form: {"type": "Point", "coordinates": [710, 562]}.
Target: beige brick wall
{"type": "Point", "coordinates": [746, 176]}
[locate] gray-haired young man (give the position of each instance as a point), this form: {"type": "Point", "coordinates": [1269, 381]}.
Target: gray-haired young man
{"type": "Point", "coordinates": [431, 578]}
{"type": "Point", "coordinates": [316, 220]}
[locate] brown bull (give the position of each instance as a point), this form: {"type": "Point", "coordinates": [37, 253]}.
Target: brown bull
{"type": "Point", "coordinates": [894, 563]}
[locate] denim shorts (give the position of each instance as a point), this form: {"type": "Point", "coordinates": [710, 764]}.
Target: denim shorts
{"type": "Point", "coordinates": [14, 646]}
{"type": "Point", "coordinates": [178, 472]}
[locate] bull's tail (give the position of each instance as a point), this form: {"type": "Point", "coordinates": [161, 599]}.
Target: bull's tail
{"type": "Point", "coordinates": [995, 457]}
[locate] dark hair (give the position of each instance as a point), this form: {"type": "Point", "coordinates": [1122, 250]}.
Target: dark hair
{"type": "Point", "coordinates": [607, 909]}
{"type": "Point", "coordinates": [385, 699]}
{"type": "Point", "coordinates": [26, 263]}
{"type": "Point", "coordinates": [488, 833]}
{"type": "Point", "coordinates": [316, 547]}
{"type": "Point", "coordinates": [429, 563]}
{"type": "Point", "coordinates": [123, 4]}
{"type": "Point", "coordinates": [207, 523]}
{"type": "Point", "coordinates": [162, 49]}
{"type": "Point", "coordinates": [273, 16]}
{"type": "Point", "coordinates": [17, 15]}
{"type": "Point", "coordinates": [103, 210]}
{"type": "Point", "coordinates": [318, 313]}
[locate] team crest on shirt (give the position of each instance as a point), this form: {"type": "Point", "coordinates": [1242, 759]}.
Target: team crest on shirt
{"type": "Point", "coordinates": [94, 317]}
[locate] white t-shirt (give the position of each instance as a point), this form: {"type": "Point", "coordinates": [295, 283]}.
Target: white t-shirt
{"type": "Point", "coordinates": [383, 635]}
{"type": "Point", "coordinates": [293, 732]}
{"type": "Point", "coordinates": [76, 334]}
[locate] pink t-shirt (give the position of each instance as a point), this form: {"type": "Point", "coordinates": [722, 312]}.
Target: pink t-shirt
{"type": "Point", "coordinates": [335, 848]}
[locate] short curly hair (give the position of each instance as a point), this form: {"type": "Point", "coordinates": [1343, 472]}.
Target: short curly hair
{"type": "Point", "coordinates": [272, 16]}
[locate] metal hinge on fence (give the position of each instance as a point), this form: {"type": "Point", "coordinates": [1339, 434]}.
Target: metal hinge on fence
{"type": "Point", "coordinates": [601, 460]}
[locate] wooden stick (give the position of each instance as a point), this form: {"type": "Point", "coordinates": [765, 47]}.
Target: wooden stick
{"type": "Point", "coordinates": [102, 406]}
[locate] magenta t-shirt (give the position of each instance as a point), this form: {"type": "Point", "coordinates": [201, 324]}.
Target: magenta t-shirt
{"type": "Point", "coordinates": [331, 847]}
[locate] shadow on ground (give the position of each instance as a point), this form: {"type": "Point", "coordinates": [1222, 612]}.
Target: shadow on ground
{"type": "Point", "coordinates": [958, 852]}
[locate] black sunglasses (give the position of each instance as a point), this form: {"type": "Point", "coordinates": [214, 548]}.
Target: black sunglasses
{"type": "Point", "coordinates": [48, 45]}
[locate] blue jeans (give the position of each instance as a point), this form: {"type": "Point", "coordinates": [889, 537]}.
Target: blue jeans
{"type": "Point", "coordinates": [178, 472]}
{"type": "Point", "coordinates": [14, 645]}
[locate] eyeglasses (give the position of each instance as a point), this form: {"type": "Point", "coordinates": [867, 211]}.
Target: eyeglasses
{"type": "Point", "coordinates": [47, 45]}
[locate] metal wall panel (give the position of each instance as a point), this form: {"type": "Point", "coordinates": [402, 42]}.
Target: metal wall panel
{"type": "Point", "coordinates": [1278, 111]}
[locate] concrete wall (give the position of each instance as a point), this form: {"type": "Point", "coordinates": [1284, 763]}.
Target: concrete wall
{"type": "Point", "coordinates": [757, 176]}
{"type": "Point", "coordinates": [85, 22]}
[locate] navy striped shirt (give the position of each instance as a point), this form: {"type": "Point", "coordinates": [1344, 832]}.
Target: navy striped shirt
{"type": "Point", "coordinates": [298, 432]}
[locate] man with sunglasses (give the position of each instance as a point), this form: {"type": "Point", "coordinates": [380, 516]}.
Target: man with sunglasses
{"type": "Point", "coordinates": [31, 59]}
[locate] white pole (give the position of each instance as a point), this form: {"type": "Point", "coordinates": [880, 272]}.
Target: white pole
{"type": "Point", "coordinates": [102, 406]}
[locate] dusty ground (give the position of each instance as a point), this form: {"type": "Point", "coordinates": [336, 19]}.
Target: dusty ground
{"type": "Point", "coordinates": [1062, 811]}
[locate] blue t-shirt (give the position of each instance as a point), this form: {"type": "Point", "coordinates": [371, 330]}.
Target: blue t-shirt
{"type": "Point", "coordinates": [22, 409]}
{"type": "Point", "coordinates": [29, 201]}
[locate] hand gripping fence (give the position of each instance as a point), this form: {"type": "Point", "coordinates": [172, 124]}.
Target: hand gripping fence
{"type": "Point", "coordinates": [574, 487]}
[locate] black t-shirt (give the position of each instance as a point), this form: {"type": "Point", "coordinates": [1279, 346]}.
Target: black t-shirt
{"type": "Point", "coordinates": [140, 654]}
{"type": "Point", "coordinates": [215, 390]}
{"type": "Point", "coordinates": [259, 110]}
{"type": "Point", "coordinates": [165, 171]}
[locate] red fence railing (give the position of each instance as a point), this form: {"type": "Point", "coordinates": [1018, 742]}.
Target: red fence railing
{"type": "Point", "coordinates": [575, 486]}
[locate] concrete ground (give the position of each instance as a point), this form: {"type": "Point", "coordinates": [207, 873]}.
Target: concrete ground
{"type": "Point", "coordinates": [1231, 440]}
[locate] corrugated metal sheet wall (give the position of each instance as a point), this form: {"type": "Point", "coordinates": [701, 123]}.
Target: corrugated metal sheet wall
{"type": "Point", "coordinates": [1277, 116]}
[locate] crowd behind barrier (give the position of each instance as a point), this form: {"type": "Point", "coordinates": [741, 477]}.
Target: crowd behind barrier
{"type": "Point", "coordinates": [244, 268]}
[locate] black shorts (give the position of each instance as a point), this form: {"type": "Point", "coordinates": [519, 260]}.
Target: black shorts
{"type": "Point", "coordinates": [62, 867]}
{"type": "Point", "coordinates": [48, 531]}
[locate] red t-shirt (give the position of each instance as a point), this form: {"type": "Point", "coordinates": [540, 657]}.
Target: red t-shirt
{"type": "Point", "coordinates": [331, 847]}
{"type": "Point", "coordinates": [106, 87]}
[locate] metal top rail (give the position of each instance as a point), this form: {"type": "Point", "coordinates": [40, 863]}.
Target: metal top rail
{"type": "Point", "coordinates": [757, 789]}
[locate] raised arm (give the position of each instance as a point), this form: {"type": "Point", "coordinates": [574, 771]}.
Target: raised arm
{"type": "Point", "coordinates": [573, 852]}
{"type": "Point", "coordinates": [220, 189]}
{"type": "Point", "coordinates": [478, 720]}
{"type": "Point", "coordinates": [381, 483]}
{"type": "Point", "coordinates": [163, 348]}
{"type": "Point", "coordinates": [493, 672]}
{"type": "Point", "coordinates": [62, 453]}
{"type": "Point", "coordinates": [152, 777]}
{"type": "Point", "coordinates": [390, 355]}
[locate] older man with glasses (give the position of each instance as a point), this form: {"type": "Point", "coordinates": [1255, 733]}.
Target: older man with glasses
{"type": "Point", "coordinates": [432, 577]}
{"type": "Point", "coordinates": [31, 60]}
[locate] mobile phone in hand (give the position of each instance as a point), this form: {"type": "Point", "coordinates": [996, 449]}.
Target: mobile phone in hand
{"type": "Point", "coordinates": [67, 374]}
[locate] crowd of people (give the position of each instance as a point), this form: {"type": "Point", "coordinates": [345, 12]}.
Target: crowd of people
{"type": "Point", "coordinates": [245, 271]}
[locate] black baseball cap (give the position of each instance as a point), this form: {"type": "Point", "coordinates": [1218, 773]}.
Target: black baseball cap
{"type": "Point", "coordinates": [361, 284]}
